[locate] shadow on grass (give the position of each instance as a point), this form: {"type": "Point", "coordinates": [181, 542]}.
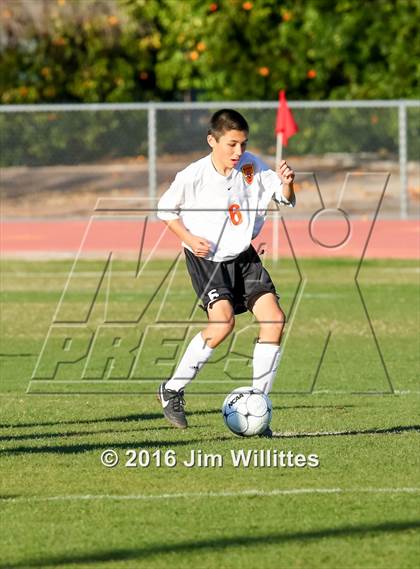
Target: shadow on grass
{"type": "Point", "coordinates": [388, 431]}
{"type": "Point", "coordinates": [131, 417]}
{"type": "Point", "coordinates": [222, 544]}
{"type": "Point", "coordinates": [110, 431]}
{"type": "Point", "coordinates": [88, 447]}
{"type": "Point", "coordinates": [151, 416]}
{"type": "Point", "coordinates": [120, 418]}
{"type": "Point", "coordinates": [277, 435]}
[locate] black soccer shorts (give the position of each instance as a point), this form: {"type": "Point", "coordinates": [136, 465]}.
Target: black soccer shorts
{"type": "Point", "coordinates": [241, 281]}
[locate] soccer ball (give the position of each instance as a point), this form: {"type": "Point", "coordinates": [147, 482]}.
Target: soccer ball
{"type": "Point", "coordinates": [247, 411]}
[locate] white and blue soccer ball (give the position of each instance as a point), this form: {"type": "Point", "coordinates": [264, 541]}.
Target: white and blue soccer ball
{"type": "Point", "coordinates": [247, 411]}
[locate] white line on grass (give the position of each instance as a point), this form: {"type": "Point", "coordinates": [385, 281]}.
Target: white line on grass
{"type": "Point", "coordinates": [118, 382]}
{"type": "Point", "coordinates": [343, 392]}
{"type": "Point", "coordinates": [292, 435]}
{"type": "Point", "coordinates": [127, 273]}
{"type": "Point", "coordinates": [251, 492]}
{"type": "Point", "coordinates": [87, 274]}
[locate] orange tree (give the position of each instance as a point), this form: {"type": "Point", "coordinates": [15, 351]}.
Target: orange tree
{"type": "Point", "coordinates": [142, 50]}
{"type": "Point", "coordinates": [125, 50]}
{"type": "Point", "coordinates": [63, 50]}
{"type": "Point", "coordinates": [317, 49]}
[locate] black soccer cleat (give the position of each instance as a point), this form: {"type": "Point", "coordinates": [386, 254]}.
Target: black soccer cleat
{"type": "Point", "coordinates": [267, 434]}
{"type": "Point", "coordinates": [173, 406]}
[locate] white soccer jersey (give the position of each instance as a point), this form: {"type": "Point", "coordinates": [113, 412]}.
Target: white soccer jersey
{"type": "Point", "coordinates": [228, 211]}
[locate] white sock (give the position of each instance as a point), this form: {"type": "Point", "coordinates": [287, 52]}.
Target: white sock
{"type": "Point", "coordinates": [195, 356]}
{"type": "Point", "coordinates": [265, 363]}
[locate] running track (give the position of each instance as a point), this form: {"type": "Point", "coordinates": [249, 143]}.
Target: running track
{"type": "Point", "coordinates": [392, 239]}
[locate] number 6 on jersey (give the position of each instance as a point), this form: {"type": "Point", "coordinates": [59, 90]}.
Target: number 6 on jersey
{"type": "Point", "coordinates": [235, 214]}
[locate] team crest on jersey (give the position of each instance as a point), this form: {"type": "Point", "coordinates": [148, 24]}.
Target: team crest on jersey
{"type": "Point", "coordinates": [248, 173]}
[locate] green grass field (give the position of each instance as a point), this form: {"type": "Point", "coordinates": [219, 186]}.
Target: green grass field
{"type": "Point", "coordinates": [347, 390]}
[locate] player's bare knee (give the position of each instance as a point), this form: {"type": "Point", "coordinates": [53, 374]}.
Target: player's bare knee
{"type": "Point", "coordinates": [279, 320]}
{"type": "Point", "coordinates": [218, 331]}
{"type": "Point", "coordinates": [229, 325]}
{"type": "Point", "coordinates": [226, 327]}
{"type": "Point", "coordinates": [276, 319]}
{"type": "Point", "coordinates": [277, 330]}
{"type": "Point", "coordinates": [271, 329]}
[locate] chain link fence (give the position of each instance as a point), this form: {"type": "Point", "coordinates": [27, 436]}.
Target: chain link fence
{"type": "Point", "coordinates": [58, 159]}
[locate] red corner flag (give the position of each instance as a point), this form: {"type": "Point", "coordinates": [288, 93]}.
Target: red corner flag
{"type": "Point", "coordinates": [285, 123]}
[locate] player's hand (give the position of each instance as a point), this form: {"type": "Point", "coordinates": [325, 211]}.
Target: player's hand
{"type": "Point", "coordinates": [285, 173]}
{"type": "Point", "coordinates": [200, 246]}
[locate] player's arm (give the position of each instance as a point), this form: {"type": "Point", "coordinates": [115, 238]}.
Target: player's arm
{"type": "Point", "coordinates": [277, 185]}
{"type": "Point", "coordinates": [169, 209]}
{"type": "Point", "coordinates": [199, 245]}
{"type": "Point", "coordinates": [287, 176]}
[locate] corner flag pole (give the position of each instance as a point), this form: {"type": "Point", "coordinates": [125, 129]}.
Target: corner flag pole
{"type": "Point", "coordinates": [285, 128]}
{"type": "Point", "coordinates": [279, 152]}
{"type": "Point", "coordinates": [279, 148]}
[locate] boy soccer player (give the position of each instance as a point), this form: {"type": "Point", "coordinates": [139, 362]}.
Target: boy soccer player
{"type": "Point", "coordinates": [216, 206]}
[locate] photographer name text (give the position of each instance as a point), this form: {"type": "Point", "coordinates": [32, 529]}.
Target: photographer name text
{"type": "Point", "coordinates": [260, 458]}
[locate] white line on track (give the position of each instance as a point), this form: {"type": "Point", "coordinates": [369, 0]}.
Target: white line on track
{"type": "Point", "coordinates": [251, 492]}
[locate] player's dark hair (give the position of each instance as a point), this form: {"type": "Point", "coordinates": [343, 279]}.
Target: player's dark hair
{"type": "Point", "coordinates": [224, 120]}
